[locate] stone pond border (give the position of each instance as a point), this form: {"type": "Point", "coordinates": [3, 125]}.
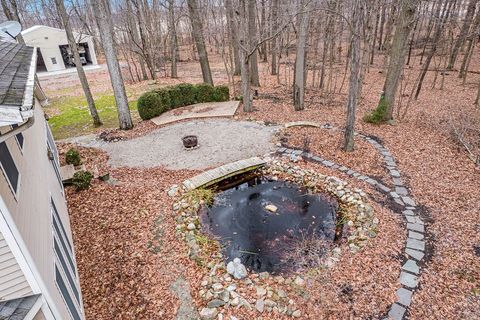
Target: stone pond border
{"type": "Point", "coordinates": [415, 243]}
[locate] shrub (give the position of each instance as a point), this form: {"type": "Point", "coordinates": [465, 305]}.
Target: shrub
{"type": "Point", "coordinates": [377, 115]}
{"type": "Point", "coordinates": [176, 97]}
{"type": "Point", "coordinates": [188, 92]}
{"type": "Point", "coordinates": [150, 105]}
{"type": "Point", "coordinates": [165, 100]}
{"type": "Point", "coordinates": [153, 103]}
{"type": "Point", "coordinates": [221, 93]}
{"type": "Point", "coordinates": [204, 92]}
{"type": "Point", "coordinates": [82, 179]}
{"type": "Point", "coordinates": [73, 157]}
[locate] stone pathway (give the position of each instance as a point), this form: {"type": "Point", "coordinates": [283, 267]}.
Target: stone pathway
{"type": "Point", "coordinates": [187, 310]}
{"type": "Point", "coordinates": [415, 244]}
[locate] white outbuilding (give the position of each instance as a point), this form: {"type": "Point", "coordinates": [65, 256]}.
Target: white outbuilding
{"type": "Point", "coordinates": [53, 52]}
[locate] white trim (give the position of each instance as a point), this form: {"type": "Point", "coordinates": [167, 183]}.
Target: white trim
{"type": "Point", "coordinates": [19, 249]}
{"type": "Point", "coordinates": [34, 310]}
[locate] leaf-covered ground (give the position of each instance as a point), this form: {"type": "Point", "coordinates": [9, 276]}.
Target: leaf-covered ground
{"type": "Point", "coordinates": [128, 255]}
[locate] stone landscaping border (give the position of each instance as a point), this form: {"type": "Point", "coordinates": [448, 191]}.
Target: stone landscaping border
{"type": "Point", "coordinates": [415, 244]}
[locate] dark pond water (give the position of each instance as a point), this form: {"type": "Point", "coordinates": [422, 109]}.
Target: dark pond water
{"type": "Point", "coordinates": [261, 238]}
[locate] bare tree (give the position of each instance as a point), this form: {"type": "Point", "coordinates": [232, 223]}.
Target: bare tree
{"type": "Point", "coordinates": [398, 52]}
{"type": "Point", "coordinates": [232, 31]}
{"type": "Point", "coordinates": [78, 65]}
{"type": "Point", "coordinates": [102, 11]}
{"type": "Point", "coordinates": [197, 30]}
{"type": "Point", "coordinates": [252, 33]}
{"type": "Point", "coordinates": [299, 82]}
{"type": "Point", "coordinates": [354, 84]}
{"type": "Point", "coordinates": [173, 38]}
{"type": "Point", "coordinates": [462, 36]}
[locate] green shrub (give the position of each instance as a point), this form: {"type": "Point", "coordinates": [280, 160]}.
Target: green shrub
{"type": "Point", "coordinates": [377, 115]}
{"type": "Point", "coordinates": [188, 92]}
{"type": "Point", "coordinates": [165, 100]}
{"type": "Point", "coordinates": [204, 92]}
{"type": "Point", "coordinates": [82, 179]}
{"type": "Point", "coordinates": [153, 103]}
{"type": "Point", "coordinates": [150, 105]}
{"type": "Point", "coordinates": [73, 157]}
{"type": "Point", "coordinates": [176, 97]}
{"type": "Point", "coordinates": [221, 93]}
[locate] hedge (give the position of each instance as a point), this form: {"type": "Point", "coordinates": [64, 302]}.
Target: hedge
{"type": "Point", "coordinates": [153, 103]}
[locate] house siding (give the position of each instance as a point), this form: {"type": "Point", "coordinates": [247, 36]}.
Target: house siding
{"type": "Point", "coordinates": [31, 208]}
{"type": "Point", "coordinates": [13, 283]}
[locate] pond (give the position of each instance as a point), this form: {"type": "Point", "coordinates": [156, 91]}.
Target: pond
{"type": "Point", "coordinates": [266, 223]}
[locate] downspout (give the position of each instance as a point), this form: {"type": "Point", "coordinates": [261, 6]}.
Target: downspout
{"type": "Point", "coordinates": [18, 129]}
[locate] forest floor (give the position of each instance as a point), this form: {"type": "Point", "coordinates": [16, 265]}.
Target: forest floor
{"type": "Point", "coordinates": [114, 223]}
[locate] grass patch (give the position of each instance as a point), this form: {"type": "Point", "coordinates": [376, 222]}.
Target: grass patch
{"type": "Point", "coordinates": [200, 195]}
{"type": "Point", "coordinates": [377, 115]}
{"type": "Point", "coordinates": [69, 116]}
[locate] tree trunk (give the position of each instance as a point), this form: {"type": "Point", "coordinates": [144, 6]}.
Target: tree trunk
{"type": "Point", "coordinates": [354, 85]}
{"type": "Point", "coordinates": [232, 31]}
{"type": "Point", "coordinates": [471, 40]}
{"type": "Point", "coordinates": [173, 39]}
{"type": "Point", "coordinates": [252, 33]}
{"type": "Point", "coordinates": [300, 66]}
{"type": "Point", "coordinates": [105, 25]}
{"type": "Point", "coordinates": [438, 32]}
{"type": "Point", "coordinates": [245, 46]}
{"type": "Point", "coordinates": [78, 65]}
{"type": "Point", "coordinates": [197, 30]}
{"type": "Point", "coordinates": [403, 29]}
{"type": "Point", "coordinates": [274, 45]}
{"type": "Point", "coordinates": [462, 36]}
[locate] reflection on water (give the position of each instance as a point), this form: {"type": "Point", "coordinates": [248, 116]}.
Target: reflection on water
{"type": "Point", "coordinates": [260, 237]}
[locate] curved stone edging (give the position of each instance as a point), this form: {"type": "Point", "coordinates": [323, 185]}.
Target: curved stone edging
{"type": "Point", "coordinates": [415, 244]}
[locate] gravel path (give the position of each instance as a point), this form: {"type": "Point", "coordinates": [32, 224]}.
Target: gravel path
{"type": "Point", "coordinates": [221, 141]}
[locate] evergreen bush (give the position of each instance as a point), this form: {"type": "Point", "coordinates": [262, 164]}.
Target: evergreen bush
{"type": "Point", "coordinates": [82, 180]}
{"type": "Point", "coordinates": [153, 103]}
{"type": "Point", "coordinates": [73, 157]}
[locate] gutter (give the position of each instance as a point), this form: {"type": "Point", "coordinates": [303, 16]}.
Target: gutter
{"type": "Point", "coordinates": [28, 105]}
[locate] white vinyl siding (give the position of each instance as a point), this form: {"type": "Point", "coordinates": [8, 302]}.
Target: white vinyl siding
{"type": "Point", "coordinates": [13, 283]}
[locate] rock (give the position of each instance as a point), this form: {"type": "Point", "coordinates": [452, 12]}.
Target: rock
{"type": "Point", "coordinates": [217, 286]}
{"type": "Point", "coordinates": [208, 313]}
{"type": "Point", "coordinates": [225, 295]}
{"type": "Point", "coordinates": [220, 316]}
{"type": "Point", "coordinates": [215, 303]}
{"type": "Point", "coordinates": [260, 305]}
{"type": "Point", "coordinates": [231, 287]}
{"type": "Point", "coordinates": [271, 208]}
{"type": "Point", "coordinates": [191, 226]}
{"type": "Point", "coordinates": [282, 294]}
{"type": "Point", "coordinates": [173, 191]}
{"type": "Point", "coordinates": [235, 301]}
{"type": "Point", "coordinates": [237, 269]}
{"type": "Point", "coordinates": [299, 281]}
{"type": "Point", "coordinates": [261, 291]}
{"type": "Point", "coordinates": [263, 275]}
{"type": "Point", "coordinates": [296, 314]}
{"type": "Point", "coordinates": [233, 318]}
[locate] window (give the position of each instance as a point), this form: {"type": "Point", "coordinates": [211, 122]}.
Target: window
{"type": "Point", "coordinates": [52, 148]}
{"type": "Point", "coordinates": [9, 168]}
{"type": "Point", "coordinates": [66, 296]}
{"type": "Point", "coordinates": [54, 60]}
{"type": "Point", "coordinates": [18, 137]}
{"type": "Point", "coordinates": [65, 271]}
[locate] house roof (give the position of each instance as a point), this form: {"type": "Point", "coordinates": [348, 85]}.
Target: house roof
{"type": "Point", "coordinates": [17, 309]}
{"type": "Point", "coordinates": [17, 73]}
{"type": "Point", "coordinates": [40, 27]}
